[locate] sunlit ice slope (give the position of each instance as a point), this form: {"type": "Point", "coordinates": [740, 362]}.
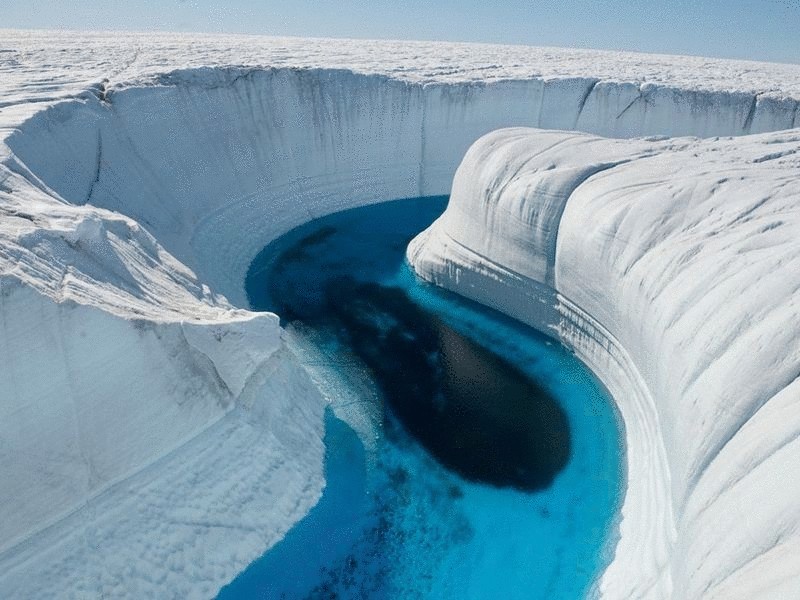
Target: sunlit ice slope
{"type": "Point", "coordinates": [672, 268]}
{"type": "Point", "coordinates": [141, 173]}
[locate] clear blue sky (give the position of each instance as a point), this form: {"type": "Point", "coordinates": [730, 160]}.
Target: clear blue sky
{"type": "Point", "coordinates": [755, 29]}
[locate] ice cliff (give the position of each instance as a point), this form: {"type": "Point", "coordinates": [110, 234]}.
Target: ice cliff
{"type": "Point", "coordinates": [672, 268]}
{"type": "Point", "coordinates": [155, 435]}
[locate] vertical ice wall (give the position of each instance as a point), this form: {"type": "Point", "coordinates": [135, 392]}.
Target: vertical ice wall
{"type": "Point", "coordinates": [671, 268]}
{"type": "Point", "coordinates": [217, 162]}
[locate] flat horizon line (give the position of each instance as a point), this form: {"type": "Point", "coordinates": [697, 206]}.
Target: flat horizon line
{"type": "Point", "coordinates": [587, 49]}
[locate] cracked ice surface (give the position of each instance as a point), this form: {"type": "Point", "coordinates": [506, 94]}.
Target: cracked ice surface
{"type": "Point", "coordinates": [141, 173]}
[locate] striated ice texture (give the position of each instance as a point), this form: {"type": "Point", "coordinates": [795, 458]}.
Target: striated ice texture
{"type": "Point", "coordinates": [672, 268]}
{"type": "Point", "coordinates": [156, 437]}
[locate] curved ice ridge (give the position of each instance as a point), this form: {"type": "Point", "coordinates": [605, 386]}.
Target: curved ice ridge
{"type": "Point", "coordinates": [672, 268]}
{"type": "Point", "coordinates": [145, 418]}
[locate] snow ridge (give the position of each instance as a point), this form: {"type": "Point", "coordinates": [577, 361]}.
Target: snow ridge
{"type": "Point", "coordinates": [676, 280]}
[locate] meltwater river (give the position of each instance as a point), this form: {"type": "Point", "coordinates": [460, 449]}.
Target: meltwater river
{"type": "Point", "coordinates": [467, 456]}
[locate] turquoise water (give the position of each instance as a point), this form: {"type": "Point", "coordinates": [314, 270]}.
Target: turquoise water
{"type": "Point", "coordinates": [467, 456]}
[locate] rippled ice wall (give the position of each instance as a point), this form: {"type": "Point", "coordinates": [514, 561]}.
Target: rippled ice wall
{"type": "Point", "coordinates": [671, 267]}
{"type": "Point", "coordinates": [141, 206]}
{"type": "Point", "coordinates": [217, 162]}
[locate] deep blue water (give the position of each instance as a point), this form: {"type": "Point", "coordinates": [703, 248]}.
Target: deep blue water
{"type": "Point", "coordinates": [467, 456]}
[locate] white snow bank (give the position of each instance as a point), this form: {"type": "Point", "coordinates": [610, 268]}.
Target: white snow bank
{"type": "Point", "coordinates": [672, 267]}
{"type": "Point", "coordinates": [184, 526]}
{"type": "Point", "coordinates": [114, 356]}
{"type": "Point", "coordinates": [136, 185]}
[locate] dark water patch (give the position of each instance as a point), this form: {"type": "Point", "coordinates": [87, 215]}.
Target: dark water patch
{"type": "Point", "coordinates": [302, 250]}
{"type": "Point", "coordinates": [289, 275]}
{"type": "Point", "coordinates": [476, 413]}
{"type": "Point", "coordinates": [416, 377]}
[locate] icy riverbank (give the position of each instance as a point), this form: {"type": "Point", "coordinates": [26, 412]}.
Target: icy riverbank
{"type": "Point", "coordinates": [136, 185]}
{"type": "Point", "coordinates": [671, 267]}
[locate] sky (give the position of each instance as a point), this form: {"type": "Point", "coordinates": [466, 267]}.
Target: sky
{"type": "Point", "coordinates": [749, 29]}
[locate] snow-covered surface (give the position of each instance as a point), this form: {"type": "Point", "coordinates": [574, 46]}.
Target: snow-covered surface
{"type": "Point", "coordinates": [676, 267]}
{"type": "Point", "coordinates": [141, 173]}
{"type": "Point", "coordinates": [48, 63]}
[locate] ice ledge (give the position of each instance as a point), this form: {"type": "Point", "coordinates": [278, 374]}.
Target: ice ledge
{"type": "Point", "coordinates": [187, 524]}
{"type": "Point", "coordinates": [145, 423]}
{"type": "Point", "coordinates": [676, 281]}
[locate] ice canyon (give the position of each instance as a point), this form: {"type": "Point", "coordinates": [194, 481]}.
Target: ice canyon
{"type": "Point", "coordinates": [157, 436]}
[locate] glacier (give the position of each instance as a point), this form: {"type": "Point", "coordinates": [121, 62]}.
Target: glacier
{"type": "Point", "coordinates": [157, 435]}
